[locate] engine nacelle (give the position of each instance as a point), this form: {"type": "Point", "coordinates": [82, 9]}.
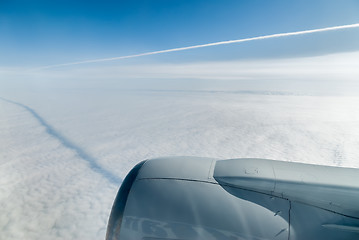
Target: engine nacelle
{"type": "Point", "coordinates": [203, 198]}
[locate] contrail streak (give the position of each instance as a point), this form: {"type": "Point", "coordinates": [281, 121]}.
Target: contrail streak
{"type": "Point", "coordinates": [70, 145]}
{"type": "Point", "coordinates": [210, 44]}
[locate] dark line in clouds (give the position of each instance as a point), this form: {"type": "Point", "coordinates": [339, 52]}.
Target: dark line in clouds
{"type": "Point", "coordinates": [244, 92]}
{"type": "Point", "coordinates": [70, 145]}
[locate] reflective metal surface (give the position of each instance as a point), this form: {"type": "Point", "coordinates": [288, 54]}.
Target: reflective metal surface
{"type": "Point", "coordinates": [202, 198]}
{"type": "Point", "coordinates": [118, 208]}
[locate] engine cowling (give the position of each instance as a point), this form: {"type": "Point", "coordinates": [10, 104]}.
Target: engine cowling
{"type": "Point", "coordinates": [204, 198]}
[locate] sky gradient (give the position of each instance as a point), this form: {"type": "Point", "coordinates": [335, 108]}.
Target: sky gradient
{"type": "Point", "coordinates": [37, 33]}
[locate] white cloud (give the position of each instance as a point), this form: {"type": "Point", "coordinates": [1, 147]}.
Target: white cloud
{"type": "Point", "coordinates": [327, 67]}
{"type": "Point", "coordinates": [46, 190]}
{"type": "Point", "coordinates": [329, 74]}
{"type": "Point", "coordinates": [49, 191]}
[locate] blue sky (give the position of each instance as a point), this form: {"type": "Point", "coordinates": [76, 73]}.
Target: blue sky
{"type": "Point", "coordinates": [36, 33]}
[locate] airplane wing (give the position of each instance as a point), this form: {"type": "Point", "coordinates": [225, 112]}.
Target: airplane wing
{"type": "Point", "coordinates": [186, 198]}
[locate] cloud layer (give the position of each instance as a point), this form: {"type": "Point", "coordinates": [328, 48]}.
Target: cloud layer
{"type": "Point", "coordinates": [49, 191]}
{"type": "Point", "coordinates": [68, 135]}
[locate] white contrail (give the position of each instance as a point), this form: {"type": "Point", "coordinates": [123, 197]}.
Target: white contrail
{"type": "Point", "coordinates": [210, 44]}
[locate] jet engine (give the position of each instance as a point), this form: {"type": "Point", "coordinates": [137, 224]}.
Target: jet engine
{"type": "Point", "coordinates": [190, 198]}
